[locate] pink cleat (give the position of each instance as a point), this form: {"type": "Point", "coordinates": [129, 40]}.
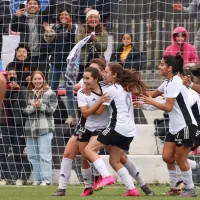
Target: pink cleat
{"type": "Point", "coordinates": [97, 179]}
{"type": "Point", "coordinates": [109, 180]}
{"type": "Point", "coordinates": [134, 192]}
{"type": "Point", "coordinates": [87, 192]}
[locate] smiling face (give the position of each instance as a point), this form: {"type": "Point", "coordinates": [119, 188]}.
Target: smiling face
{"type": "Point", "coordinates": [88, 80]}
{"type": "Point", "coordinates": [109, 77]}
{"type": "Point", "coordinates": [126, 40]}
{"type": "Point", "coordinates": [37, 81]}
{"type": "Point", "coordinates": [180, 38]}
{"type": "Point", "coordinates": [93, 20]}
{"type": "Point", "coordinates": [32, 7]}
{"type": "Point", "coordinates": [64, 17]}
{"type": "Point", "coordinates": [164, 69]}
{"type": "Point", "coordinates": [22, 54]}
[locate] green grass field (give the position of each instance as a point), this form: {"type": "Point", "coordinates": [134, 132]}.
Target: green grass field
{"type": "Point", "coordinates": [73, 193]}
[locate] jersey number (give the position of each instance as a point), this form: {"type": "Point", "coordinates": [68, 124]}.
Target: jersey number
{"type": "Point", "coordinates": [128, 101]}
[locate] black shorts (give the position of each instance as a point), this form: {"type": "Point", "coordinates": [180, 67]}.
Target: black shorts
{"type": "Point", "coordinates": [110, 137]}
{"type": "Point", "coordinates": [185, 137]}
{"type": "Point", "coordinates": [85, 135]}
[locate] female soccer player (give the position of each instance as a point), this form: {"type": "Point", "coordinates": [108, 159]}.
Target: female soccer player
{"type": "Point", "coordinates": [121, 128]}
{"type": "Point", "coordinates": [182, 124]}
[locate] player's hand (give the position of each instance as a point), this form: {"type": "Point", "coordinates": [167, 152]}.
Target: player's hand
{"type": "Point", "coordinates": [137, 104]}
{"type": "Point", "coordinates": [186, 80]}
{"type": "Point", "coordinates": [105, 98]}
{"type": "Point", "coordinates": [178, 6]}
{"type": "Point", "coordinates": [147, 99]}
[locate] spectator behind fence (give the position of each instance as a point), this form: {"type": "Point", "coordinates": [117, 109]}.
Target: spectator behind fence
{"type": "Point", "coordinates": [29, 22]}
{"type": "Point", "coordinates": [180, 45]}
{"type": "Point", "coordinates": [39, 127]}
{"type": "Point", "coordinates": [62, 39]}
{"type": "Point", "coordinates": [127, 54]}
{"type": "Point", "coordinates": [84, 6]}
{"type": "Point", "coordinates": [12, 130]}
{"type": "Point", "coordinates": [97, 45]}
{"type": "Point", "coordinates": [22, 65]}
{"type": "Point", "coordinates": [194, 7]}
{"type": "Point", "coordinates": [4, 22]}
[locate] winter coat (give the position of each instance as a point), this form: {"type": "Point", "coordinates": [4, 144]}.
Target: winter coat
{"type": "Point", "coordinates": [40, 120]}
{"type": "Point", "coordinates": [189, 51]}
{"type": "Point", "coordinates": [133, 60]}
{"type": "Point", "coordinates": [92, 49]}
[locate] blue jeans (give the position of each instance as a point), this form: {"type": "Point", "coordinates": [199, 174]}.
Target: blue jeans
{"type": "Point", "coordinates": [54, 80]}
{"type": "Point", "coordinates": [39, 151]}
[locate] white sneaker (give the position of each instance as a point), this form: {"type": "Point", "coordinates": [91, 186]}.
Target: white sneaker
{"type": "Point", "coordinates": [45, 183]}
{"type": "Point", "coordinates": [19, 182]}
{"type": "Point", "coordinates": [70, 121]}
{"type": "Point", "coordinates": [36, 183]}
{"type": "Point", "coordinates": [2, 182]}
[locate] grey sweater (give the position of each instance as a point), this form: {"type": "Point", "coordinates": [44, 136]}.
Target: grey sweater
{"type": "Point", "coordinates": [40, 121]}
{"type": "Point", "coordinates": [193, 7]}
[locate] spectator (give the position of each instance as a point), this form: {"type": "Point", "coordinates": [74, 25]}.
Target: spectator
{"type": "Point", "coordinates": [181, 46]}
{"type": "Point", "coordinates": [4, 22]}
{"type": "Point", "coordinates": [97, 45]}
{"type": "Point", "coordinates": [62, 37]}
{"type": "Point", "coordinates": [22, 65]}
{"type": "Point", "coordinates": [39, 128]}
{"type": "Point", "coordinates": [29, 22]}
{"type": "Point", "coordinates": [127, 54]}
{"type": "Point", "coordinates": [103, 7]}
{"type": "Point", "coordinates": [12, 129]}
{"type": "Point", "coordinates": [192, 8]}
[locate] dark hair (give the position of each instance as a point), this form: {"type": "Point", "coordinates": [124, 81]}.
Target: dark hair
{"type": "Point", "coordinates": [131, 35]}
{"type": "Point", "coordinates": [94, 73]}
{"type": "Point", "coordinates": [10, 67]}
{"type": "Point", "coordinates": [23, 46]}
{"type": "Point", "coordinates": [176, 62]}
{"type": "Point", "coordinates": [128, 79]}
{"type": "Point", "coordinates": [38, 2]}
{"type": "Point", "coordinates": [195, 69]}
{"type": "Point", "coordinates": [101, 63]}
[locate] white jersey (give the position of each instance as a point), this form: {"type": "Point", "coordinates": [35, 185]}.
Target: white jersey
{"type": "Point", "coordinates": [181, 114]}
{"type": "Point", "coordinates": [94, 122]}
{"type": "Point", "coordinates": [121, 111]}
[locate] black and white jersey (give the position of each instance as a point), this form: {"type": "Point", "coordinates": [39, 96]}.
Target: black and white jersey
{"type": "Point", "coordinates": [181, 114]}
{"type": "Point", "coordinates": [94, 122]}
{"type": "Point", "coordinates": [121, 111]}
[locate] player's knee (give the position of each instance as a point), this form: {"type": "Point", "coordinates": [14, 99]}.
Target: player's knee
{"type": "Point", "coordinates": [168, 159]}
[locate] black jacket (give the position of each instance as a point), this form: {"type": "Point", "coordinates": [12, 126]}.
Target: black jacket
{"type": "Point", "coordinates": [13, 104]}
{"type": "Point", "coordinates": [103, 6]}
{"type": "Point", "coordinates": [133, 60]}
{"type": "Point", "coordinates": [19, 24]}
{"type": "Point", "coordinates": [63, 44]}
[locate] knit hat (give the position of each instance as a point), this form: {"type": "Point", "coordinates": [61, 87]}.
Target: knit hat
{"type": "Point", "coordinates": [92, 12]}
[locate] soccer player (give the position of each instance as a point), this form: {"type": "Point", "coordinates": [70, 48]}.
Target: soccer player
{"type": "Point", "coordinates": [182, 124]}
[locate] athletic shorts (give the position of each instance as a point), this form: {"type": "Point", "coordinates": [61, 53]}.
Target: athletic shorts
{"type": "Point", "coordinates": [185, 137]}
{"type": "Point", "coordinates": [110, 137]}
{"type": "Point", "coordinates": [85, 135]}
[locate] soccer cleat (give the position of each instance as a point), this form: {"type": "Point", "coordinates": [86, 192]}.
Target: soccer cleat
{"type": "Point", "coordinates": [87, 192]}
{"type": "Point", "coordinates": [147, 190]}
{"type": "Point", "coordinates": [172, 192]}
{"type": "Point", "coordinates": [189, 193]}
{"type": "Point", "coordinates": [97, 179]}
{"type": "Point", "coordinates": [134, 192]}
{"type": "Point", "coordinates": [59, 192]}
{"type": "Point", "coordinates": [109, 180]}
{"type": "Point", "coordinates": [179, 185]}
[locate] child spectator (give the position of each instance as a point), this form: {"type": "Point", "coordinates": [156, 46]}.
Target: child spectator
{"type": "Point", "coordinates": [127, 54]}
{"type": "Point", "coordinates": [180, 45]}
{"type": "Point", "coordinates": [39, 128]}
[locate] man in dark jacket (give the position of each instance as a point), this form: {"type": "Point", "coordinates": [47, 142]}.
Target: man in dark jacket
{"type": "Point", "coordinates": [29, 22]}
{"type": "Point", "coordinates": [12, 128]}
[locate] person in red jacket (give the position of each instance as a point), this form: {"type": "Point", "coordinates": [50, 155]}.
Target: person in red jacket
{"type": "Point", "coordinates": [181, 46]}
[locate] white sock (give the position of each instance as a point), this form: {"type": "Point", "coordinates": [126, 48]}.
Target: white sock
{"type": "Point", "coordinates": [126, 178]}
{"type": "Point", "coordinates": [87, 173]}
{"type": "Point", "coordinates": [95, 171]}
{"type": "Point", "coordinates": [192, 164]}
{"type": "Point", "coordinates": [101, 167]}
{"type": "Point", "coordinates": [179, 176]}
{"type": "Point", "coordinates": [172, 178]}
{"type": "Point", "coordinates": [187, 179]}
{"type": "Point", "coordinates": [134, 172]}
{"type": "Point", "coordinates": [65, 172]}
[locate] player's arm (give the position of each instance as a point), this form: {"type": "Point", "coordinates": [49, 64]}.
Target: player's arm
{"type": "Point", "coordinates": [188, 83]}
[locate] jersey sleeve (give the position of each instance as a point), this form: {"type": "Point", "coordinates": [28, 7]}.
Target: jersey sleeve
{"type": "Point", "coordinates": [81, 98]}
{"type": "Point", "coordinates": [174, 88]}
{"type": "Point", "coordinates": [110, 92]}
{"type": "Point", "coordinates": [161, 88]}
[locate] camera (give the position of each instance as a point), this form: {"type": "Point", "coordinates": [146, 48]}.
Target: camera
{"type": "Point", "coordinates": [13, 79]}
